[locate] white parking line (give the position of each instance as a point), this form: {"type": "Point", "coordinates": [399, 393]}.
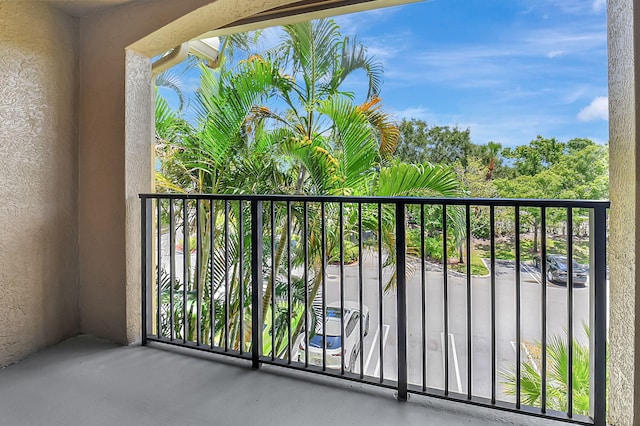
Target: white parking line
{"type": "Point", "coordinates": [454, 352]}
{"type": "Point", "coordinates": [527, 353]}
{"type": "Point", "coordinates": [375, 339]}
{"type": "Point", "coordinates": [386, 327]}
{"type": "Point", "coordinates": [529, 270]}
{"type": "Point", "coordinates": [455, 362]}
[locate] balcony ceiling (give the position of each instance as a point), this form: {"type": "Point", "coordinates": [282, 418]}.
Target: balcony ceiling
{"type": "Point", "coordinates": [86, 7]}
{"type": "Point", "coordinates": [81, 8]}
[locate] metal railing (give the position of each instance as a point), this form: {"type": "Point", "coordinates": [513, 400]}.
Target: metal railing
{"type": "Point", "coordinates": [390, 292]}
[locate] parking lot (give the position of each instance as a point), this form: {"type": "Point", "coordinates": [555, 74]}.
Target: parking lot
{"type": "Point", "coordinates": [505, 321]}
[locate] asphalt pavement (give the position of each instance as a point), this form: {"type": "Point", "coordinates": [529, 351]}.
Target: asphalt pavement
{"type": "Point", "coordinates": [432, 351]}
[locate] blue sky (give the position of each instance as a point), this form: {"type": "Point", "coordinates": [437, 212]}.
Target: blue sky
{"type": "Point", "coordinates": [507, 69]}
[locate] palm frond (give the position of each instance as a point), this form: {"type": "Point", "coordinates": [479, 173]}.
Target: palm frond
{"type": "Point", "coordinates": [356, 140]}
{"type": "Point", "coordinates": [354, 57]}
{"type": "Point", "coordinates": [406, 179]}
{"type": "Point", "coordinates": [173, 81]}
{"type": "Point", "coordinates": [313, 46]}
{"type": "Point", "coordinates": [381, 122]}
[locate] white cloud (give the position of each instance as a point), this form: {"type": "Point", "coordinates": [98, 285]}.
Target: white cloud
{"type": "Point", "coordinates": [354, 23]}
{"type": "Point", "coordinates": [572, 7]}
{"type": "Point", "coordinates": [598, 109]}
{"type": "Point", "coordinates": [598, 5]}
{"type": "Point", "coordinates": [575, 93]}
{"type": "Point", "coordinates": [555, 54]}
{"type": "Point", "coordinates": [413, 112]}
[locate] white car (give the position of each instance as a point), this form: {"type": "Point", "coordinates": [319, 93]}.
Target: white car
{"type": "Point", "coordinates": [337, 352]}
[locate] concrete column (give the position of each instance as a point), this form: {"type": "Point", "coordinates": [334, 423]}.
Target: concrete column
{"type": "Point", "coordinates": [139, 132]}
{"type": "Point", "coordinates": [624, 98]}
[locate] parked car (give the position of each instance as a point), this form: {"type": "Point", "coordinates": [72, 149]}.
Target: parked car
{"type": "Point", "coordinates": [557, 269]}
{"type": "Point", "coordinates": [338, 352]}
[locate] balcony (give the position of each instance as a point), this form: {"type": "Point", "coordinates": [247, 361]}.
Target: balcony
{"type": "Point", "coordinates": [216, 268]}
{"type": "Point", "coordinates": [86, 381]}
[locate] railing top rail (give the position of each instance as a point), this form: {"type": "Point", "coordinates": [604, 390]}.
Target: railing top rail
{"type": "Point", "coordinates": [502, 202]}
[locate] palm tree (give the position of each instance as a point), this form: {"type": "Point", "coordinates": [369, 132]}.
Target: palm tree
{"type": "Point", "coordinates": [557, 376]}
{"type": "Point", "coordinates": [323, 143]}
{"type": "Point", "coordinates": [216, 156]}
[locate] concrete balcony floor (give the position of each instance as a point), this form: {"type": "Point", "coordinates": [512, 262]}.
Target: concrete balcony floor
{"type": "Point", "coordinates": [86, 381]}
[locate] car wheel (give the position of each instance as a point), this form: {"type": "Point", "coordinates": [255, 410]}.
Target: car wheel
{"type": "Point", "coordinates": [366, 325]}
{"type": "Point", "coordinates": [549, 276]}
{"type": "Point", "coordinates": [352, 361]}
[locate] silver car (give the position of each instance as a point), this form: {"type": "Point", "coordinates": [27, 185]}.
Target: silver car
{"type": "Point", "coordinates": [337, 352]}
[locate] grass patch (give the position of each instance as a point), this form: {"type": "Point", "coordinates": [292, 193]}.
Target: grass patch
{"type": "Point", "coordinates": [477, 265]}
{"type": "Point", "coordinates": [505, 248]}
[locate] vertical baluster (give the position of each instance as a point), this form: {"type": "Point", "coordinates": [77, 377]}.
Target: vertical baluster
{"type": "Point", "coordinates": [241, 271]}
{"type": "Point", "coordinates": [289, 298]}
{"type": "Point", "coordinates": [198, 275]}
{"type": "Point", "coordinates": [543, 313]}
{"type": "Point", "coordinates": [305, 239]}
{"type": "Point", "coordinates": [226, 275]}
{"type": "Point", "coordinates": [401, 299]}
{"type": "Point", "coordinates": [569, 312]}
{"type": "Point", "coordinates": [274, 271]}
{"type": "Point", "coordinates": [360, 291]}
{"type": "Point", "coordinates": [159, 263]}
{"type": "Point", "coordinates": [256, 281]}
{"type": "Point", "coordinates": [212, 301]}
{"type": "Point", "coordinates": [380, 295]}
{"type": "Point", "coordinates": [186, 257]}
{"type": "Point", "coordinates": [492, 231]}
{"type": "Point", "coordinates": [423, 301]}
{"type": "Point", "coordinates": [323, 255]}
{"type": "Point", "coordinates": [445, 293]}
{"type": "Point", "coordinates": [469, 305]}
{"type": "Point", "coordinates": [145, 247]}
{"type": "Point", "coordinates": [518, 310]}
{"type": "Point", "coordinates": [172, 267]}
{"type": "Point", "coordinates": [342, 324]}
{"type": "Point", "coordinates": [598, 314]}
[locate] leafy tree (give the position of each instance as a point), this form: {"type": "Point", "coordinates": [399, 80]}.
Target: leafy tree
{"type": "Point", "coordinates": [578, 144]}
{"type": "Point", "coordinates": [421, 143]}
{"type": "Point", "coordinates": [584, 173]}
{"type": "Point", "coordinates": [540, 154]}
{"type": "Point", "coordinates": [577, 171]}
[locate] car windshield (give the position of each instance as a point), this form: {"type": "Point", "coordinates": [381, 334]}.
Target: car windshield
{"type": "Point", "coordinates": [562, 263]}
{"type": "Point", "coordinates": [333, 342]}
{"type": "Point", "coordinates": [333, 312]}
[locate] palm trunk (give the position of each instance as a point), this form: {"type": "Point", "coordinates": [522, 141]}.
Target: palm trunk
{"type": "Point", "coordinates": [317, 280]}
{"type": "Point", "coordinates": [270, 283]}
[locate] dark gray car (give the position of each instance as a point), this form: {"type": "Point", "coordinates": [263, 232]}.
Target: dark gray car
{"type": "Point", "coordinates": [557, 269]}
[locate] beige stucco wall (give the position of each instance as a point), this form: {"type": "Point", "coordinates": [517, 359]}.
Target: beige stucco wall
{"type": "Point", "coordinates": [38, 190]}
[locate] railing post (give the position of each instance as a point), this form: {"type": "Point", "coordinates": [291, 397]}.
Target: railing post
{"type": "Point", "coordinates": [598, 314]}
{"type": "Point", "coordinates": [146, 224]}
{"type": "Point", "coordinates": [256, 281]}
{"type": "Point", "coordinates": [401, 300]}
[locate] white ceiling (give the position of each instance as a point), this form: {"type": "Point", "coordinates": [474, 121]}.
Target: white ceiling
{"type": "Point", "coordinates": [86, 7]}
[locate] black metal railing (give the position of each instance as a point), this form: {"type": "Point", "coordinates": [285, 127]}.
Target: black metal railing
{"type": "Point", "coordinates": [494, 302]}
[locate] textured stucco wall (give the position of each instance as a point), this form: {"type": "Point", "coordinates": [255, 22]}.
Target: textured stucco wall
{"type": "Point", "coordinates": [623, 256]}
{"type": "Point", "coordinates": [138, 172]}
{"type": "Point", "coordinates": [38, 190]}
{"type": "Point", "coordinates": [112, 170]}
